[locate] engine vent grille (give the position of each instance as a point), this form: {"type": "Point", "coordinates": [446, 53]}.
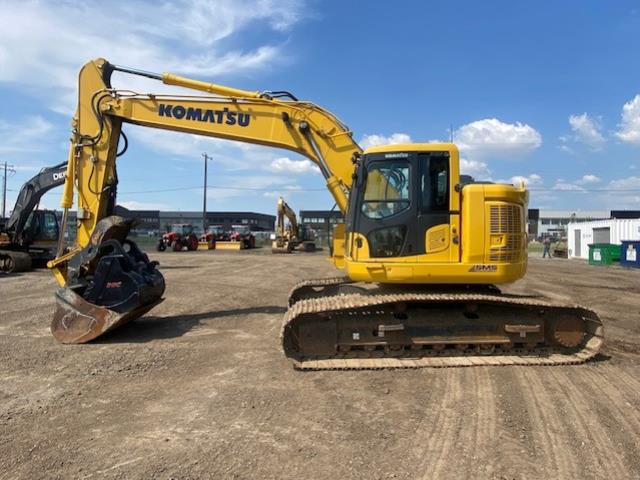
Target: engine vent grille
{"type": "Point", "coordinates": [506, 220]}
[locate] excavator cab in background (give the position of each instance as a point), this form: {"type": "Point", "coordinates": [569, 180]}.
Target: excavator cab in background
{"type": "Point", "coordinates": [422, 249]}
{"type": "Point", "coordinates": [30, 236]}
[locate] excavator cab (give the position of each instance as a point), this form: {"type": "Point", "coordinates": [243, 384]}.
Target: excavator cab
{"type": "Point", "coordinates": [41, 228]}
{"type": "Point", "coordinates": [398, 200]}
{"type": "Point", "coordinates": [411, 220]}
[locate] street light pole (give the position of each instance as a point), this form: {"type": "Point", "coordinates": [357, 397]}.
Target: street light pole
{"type": "Point", "coordinates": [204, 198]}
{"type": "Point", "coordinates": [4, 188]}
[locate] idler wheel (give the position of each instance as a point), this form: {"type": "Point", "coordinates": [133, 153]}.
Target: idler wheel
{"type": "Point", "coordinates": [569, 332]}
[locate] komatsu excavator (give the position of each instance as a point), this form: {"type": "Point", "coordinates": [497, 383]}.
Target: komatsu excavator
{"type": "Point", "coordinates": [293, 235]}
{"type": "Point", "coordinates": [421, 250]}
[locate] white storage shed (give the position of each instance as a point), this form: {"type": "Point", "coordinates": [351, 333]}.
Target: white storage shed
{"type": "Point", "coordinates": [581, 234]}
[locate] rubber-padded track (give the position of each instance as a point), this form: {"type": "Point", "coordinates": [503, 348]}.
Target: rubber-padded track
{"type": "Point", "coordinates": [592, 344]}
{"type": "Point", "coordinates": [315, 283]}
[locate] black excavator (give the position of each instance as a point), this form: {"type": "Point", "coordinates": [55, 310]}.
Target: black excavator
{"type": "Point", "coordinates": [29, 237]}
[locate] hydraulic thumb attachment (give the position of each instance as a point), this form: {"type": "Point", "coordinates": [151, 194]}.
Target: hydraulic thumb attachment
{"type": "Point", "coordinates": [109, 282]}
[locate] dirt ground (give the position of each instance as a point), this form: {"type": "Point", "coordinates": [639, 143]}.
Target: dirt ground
{"type": "Point", "coordinates": [200, 389]}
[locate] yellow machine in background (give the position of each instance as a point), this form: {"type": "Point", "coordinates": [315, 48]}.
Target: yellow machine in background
{"type": "Point", "coordinates": [293, 235]}
{"type": "Point", "coordinates": [421, 250]}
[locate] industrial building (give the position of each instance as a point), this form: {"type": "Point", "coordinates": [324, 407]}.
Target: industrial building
{"type": "Point", "coordinates": [553, 223]}
{"type": "Point", "coordinates": [322, 222]}
{"type": "Point", "coordinates": [153, 222]}
{"type": "Point", "coordinates": [257, 222]}
{"type": "Point", "coordinates": [581, 234]}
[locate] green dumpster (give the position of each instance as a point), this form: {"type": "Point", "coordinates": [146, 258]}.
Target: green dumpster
{"type": "Point", "coordinates": [603, 253]}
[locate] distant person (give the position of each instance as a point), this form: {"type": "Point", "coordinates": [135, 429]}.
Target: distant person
{"type": "Point", "coordinates": [546, 243]}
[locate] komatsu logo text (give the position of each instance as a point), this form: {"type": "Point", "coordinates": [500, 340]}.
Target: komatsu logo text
{"type": "Point", "coordinates": [224, 116]}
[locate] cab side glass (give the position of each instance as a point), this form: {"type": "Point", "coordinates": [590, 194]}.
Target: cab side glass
{"type": "Point", "coordinates": [387, 189]}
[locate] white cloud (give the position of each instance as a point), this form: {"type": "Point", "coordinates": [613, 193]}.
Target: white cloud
{"type": "Point", "coordinates": [565, 148]}
{"type": "Point", "coordinates": [243, 186]}
{"type": "Point", "coordinates": [567, 187]}
{"type": "Point", "coordinates": [587, 130]}
{"type": "Point", "coordinates": [43, 44]}
{"type": "Point", "coordinates": [285, 164]}
{"type": "Point", "coordinates": [529, 181]}
{"type": "Point", "coordinates": [628, 195]}
{"type": "Point", "coordinates": [230, 155]}
{"type": "Point", "coordinates": [286, 191]}
{"type": "Point", "coordinates": [629, 183]}
{"type": "Point", "coordinates": [24, 136]}
{"type": "Point", "coordinates": [377, 139]}
{"type": "Point", "coordinates": [588, 179]}
{"type": "Point", "coordinates": [491, 137]}
{"type": "Point", "coordinates": [630, 125]}
{"type": "Point", "coordinates": [477, 169]}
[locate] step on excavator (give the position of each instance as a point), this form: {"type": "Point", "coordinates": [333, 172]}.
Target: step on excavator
{"type": "Point", "coordinates": [293, 235]}
{"type": "Point", "coordinates": [29, 236]}
{"type": "Point", "coordinates": [422, 251]}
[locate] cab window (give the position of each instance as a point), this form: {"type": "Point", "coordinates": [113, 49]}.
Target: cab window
{"type": "Point", "coordinates": [434, 183]}
{"type": "Point", "coordinates": [387, 189]}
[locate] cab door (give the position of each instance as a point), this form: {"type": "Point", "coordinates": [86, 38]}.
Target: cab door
{"type": "Point", "coordinates": [433, 215]}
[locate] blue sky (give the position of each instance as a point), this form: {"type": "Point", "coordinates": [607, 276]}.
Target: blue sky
{"type": "Point", "coordinates": [547, 92]}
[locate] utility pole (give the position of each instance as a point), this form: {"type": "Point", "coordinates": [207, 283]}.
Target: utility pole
{"type": "Point", "coordinates": [4, 188]}
{"type": "Point", "coordinates": [204, 197]}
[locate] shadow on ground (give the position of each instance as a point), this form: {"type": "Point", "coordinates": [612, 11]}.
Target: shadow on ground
{"type": "Point", "coordinates": [152, 327]}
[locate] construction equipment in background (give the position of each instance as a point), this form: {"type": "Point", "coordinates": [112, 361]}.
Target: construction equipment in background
{"type": "Point", "coordinates": [292, 235]}
{"type": "Point", "coordinates": [180, 238]}
{"type": "Point", "coordinates": [238, 238]}
{"type": "Point", "coordinates": [421, 250]}
{"type": "Point", "coordinates": [30, 235]}
{"type": "Point", "coordinates": [207, 241]}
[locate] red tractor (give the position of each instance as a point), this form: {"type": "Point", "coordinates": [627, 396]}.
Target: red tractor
{"type": "Point", "coordinates": [242, 233]}
{"type": "Point", "coordinates": [180, 237]}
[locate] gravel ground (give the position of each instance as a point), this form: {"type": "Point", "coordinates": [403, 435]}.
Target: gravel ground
{"type": "Point", "coordinates": [199, 389]}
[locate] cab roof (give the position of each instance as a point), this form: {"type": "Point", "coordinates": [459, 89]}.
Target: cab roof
{"type": "Point", "coordinates": [413, 147]}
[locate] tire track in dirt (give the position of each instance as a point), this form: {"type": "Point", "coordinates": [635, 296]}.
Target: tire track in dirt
{"type": "Point", "coordinates": [456, 446]}
{"type": "Point", "coordinates": [518, 456]}
{"type": "Point", "coordinates": [437, 427]}
{"type": "Point", "coordinates": [609, 401]}
{"type": "Point", "coordinates": [581, 418]}
{"type": "Point", "coordinates": [546, 419]}
{"type": "Point", "coordinates": [484, 424]}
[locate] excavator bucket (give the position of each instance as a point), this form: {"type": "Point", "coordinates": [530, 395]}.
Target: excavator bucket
{"type": "Point", "coordinates": [111, 282]}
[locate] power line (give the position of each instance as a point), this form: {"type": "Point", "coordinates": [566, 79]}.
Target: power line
{"type": "Point", "coordinates": [584, 190]}
{"type": "Point", "coordinates": [218, 187]}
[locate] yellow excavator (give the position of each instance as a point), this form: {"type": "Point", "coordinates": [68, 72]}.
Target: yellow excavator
{"type": "Point", "coordinates": [293, 235]}
{"type": "Point", "coordinates": [422, 250]}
